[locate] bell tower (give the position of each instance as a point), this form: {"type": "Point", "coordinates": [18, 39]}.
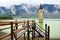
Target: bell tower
{"type": "Point", "coordinates": [40, 14]}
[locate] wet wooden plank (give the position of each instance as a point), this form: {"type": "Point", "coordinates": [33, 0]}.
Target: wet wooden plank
{"type": "Point", "coordinates": [2, 33]}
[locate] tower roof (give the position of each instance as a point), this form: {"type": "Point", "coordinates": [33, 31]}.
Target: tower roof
{"type": "Point", "coordinates": [40, 7]}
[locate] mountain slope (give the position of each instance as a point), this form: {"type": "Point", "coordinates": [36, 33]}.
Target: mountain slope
{"type": "Point", "coordinates": [30, 11]}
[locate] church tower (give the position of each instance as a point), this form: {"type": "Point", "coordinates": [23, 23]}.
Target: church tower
{"type": "Point", "coordinates": [40, 14]}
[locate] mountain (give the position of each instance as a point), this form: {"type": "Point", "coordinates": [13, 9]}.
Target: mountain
{"type": "Point", "coordinates": [51, 10]}
{"type": "Point", "coordinates": [5, 12]}
{"type": "Point", "coordinates": [30, 11]}
{"type": "Point", "coordinates": [24, 10]}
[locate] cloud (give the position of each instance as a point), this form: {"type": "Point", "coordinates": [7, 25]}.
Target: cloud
{"type": "Point", "coordinates": [13, 10]}
{"type": "Point", "coordinates": [11, 2]}
{"type": "Point", "coordinates": [55, 12]}
{"type": "Point", "coordinates": [57, 6]}
{"type": "Point", "coordinates": [46, 12]}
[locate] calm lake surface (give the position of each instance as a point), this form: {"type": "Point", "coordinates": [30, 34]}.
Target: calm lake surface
{"type": "Point", "coordinates": [53, 23]}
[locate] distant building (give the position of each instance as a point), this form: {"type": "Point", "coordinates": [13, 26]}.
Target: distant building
{"type": "Point", "coordinates": [40, 13]}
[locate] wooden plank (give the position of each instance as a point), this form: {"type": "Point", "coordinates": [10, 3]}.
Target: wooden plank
{"type": "Point", "coordinates": [4, 36]}
{"type": "Point", "coordinates": [20, 30]}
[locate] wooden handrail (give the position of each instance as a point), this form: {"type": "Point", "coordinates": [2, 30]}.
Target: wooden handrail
{"type": "Point", "coordinates": [9, 27]}
{"type": "Point", "coordinates": [5, 28]}
{"type": "Point", "coordinates": [8, 23]}
{"type": "Point", "coordinates": [2, 24]}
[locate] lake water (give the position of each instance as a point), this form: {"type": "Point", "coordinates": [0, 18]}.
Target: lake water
{"type": "Point", "coordinates": [54, 27]}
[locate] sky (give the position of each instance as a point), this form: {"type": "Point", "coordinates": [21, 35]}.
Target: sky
{"type": "Point", "coordinates": [7, 3]}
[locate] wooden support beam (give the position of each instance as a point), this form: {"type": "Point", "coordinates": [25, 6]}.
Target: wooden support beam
{"type": "Point", "coordinates": [24, 33]}
{"type": "Point", "coordinates": [32, 35]}
{"type": "Point", "coordinates": [33, 29]}
{"type": "Point", "coordinates": [16, 29]}
{"type": "Point", "coordinates": [48, 32]}
{"type": "Point", "coordinates": [24, 36]}
{"type": "Point", "coordinates": [28, 33]}
{"type": "Point", "coordinates": [16, 26]}
{"type": "Point", "coordinates": [11, 30]}
{"type": "Point", "coordinates": [45, 31]}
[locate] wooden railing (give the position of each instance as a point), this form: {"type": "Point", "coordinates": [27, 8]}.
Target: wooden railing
{"type": "Point", "coordinates": [12, 32]}
{"type": "Point", "coordinates": [29, 24]}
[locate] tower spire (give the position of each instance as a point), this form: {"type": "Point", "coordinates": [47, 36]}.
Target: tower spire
{"type": "Point", "coordinates": [40, 7]}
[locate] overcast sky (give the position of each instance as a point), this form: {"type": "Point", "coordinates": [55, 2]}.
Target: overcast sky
{"type": "Point", "coordinates": [17, 2]}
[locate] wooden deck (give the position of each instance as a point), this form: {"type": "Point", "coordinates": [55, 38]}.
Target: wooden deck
{"type": "Point", "coordinates": [22, 38]}
{"type": "Point", "coordinates": [2, 33]}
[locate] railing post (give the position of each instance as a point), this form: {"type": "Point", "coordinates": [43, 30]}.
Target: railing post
{"type": "Point", "coordinates": [16, 26]}
{"type": "Point", "coordinates": [33, 29]}
{"type": "Point", "coordinates": [48, 32]}
{"type": "Point", "coordinates": [16, 29]}
{"type": "Point", "coordinates": [24, 33]}
{"type": "Point", "coordinates": [11, 30]}
{"type": "Point", "coordinates": [45, 31]}
{"type": "Point", "coordinates": [28, 30]}
{"type": "Point", "coordinates": [32, 35]}
{"type": "Point", "coordinates": [24, 36]}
